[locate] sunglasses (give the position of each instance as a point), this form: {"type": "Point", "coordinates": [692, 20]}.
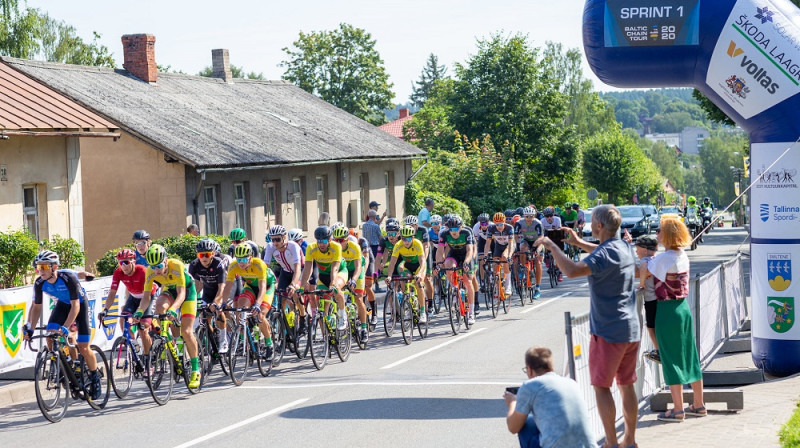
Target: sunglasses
{"type": "Point", "coordinates": [125, 262]}
{"type": "Point", "coordinates": [339, 240]}
{"type": "Point", "coordinates": [242, 259]}
{"type": "Point", "coordinates": [408, 238]}
{"type": "Point", "coordinates": [391, 233]}
{"type": "Point", "coordinates": [276, 240]}
{"type": "Point", "coordinates": [140, 243]}
{"type": "Point", "coordinates": [325, 241]}
{"type": "Point", "coordinates": [436, 224]}
{"type": "Point", "coordinates": [484, 224]}
{"type": "Point", "coordinates": [44, 267]}
{"type": "Point", "coordinates": [157, 266]}
{"type": "Point", "coordinates": [205, 255]}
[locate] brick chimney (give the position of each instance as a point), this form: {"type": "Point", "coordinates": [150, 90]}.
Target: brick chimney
{"type": "Point", "coordinates": [221, 65]}
{"type": "Point", "coordinates": [403, 113]}
{"type": "Point", "coordinates": [140, 57]}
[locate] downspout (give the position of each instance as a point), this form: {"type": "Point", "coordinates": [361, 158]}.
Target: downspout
{"type": "Point", "coordinates": [195, 210]}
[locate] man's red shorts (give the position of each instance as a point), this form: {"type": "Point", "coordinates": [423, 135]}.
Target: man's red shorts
{"type": "Point", "coordinates": [609, 361]}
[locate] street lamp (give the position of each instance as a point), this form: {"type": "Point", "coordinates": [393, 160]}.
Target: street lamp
{"type": "Point", "coordinates": [738, 173]}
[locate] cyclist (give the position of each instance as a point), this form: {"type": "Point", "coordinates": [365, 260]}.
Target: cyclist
{"type": "Point", "coordinates": [480, 234]}
{"type": "Point", "coordinates": [552, 222]}
{"type": "Point", "coordinates": [71, 307]}
{"type": "Point", "coordinates": [570, 216]}
{"type": "Point", "coordinates": [209, 272]}
{"type": "Point", "coordinates": [457, 250]}
{"type": "Point", "coordinates": [332, 274]}
{"type": "Point", "coordinates": [707, 203]}
{"type": "Point", "coordinates": [509, 217]}
{"type": "Point", "coordinates": [581, 216]}
{"type": "Point", "coordinates": [501, 234]}
{"type": "Point", "coordinates": [290, 258]}
{"type": "Point", "coordinates": [258, 290]}
{"type": "Point", "coordinates": [141, 242]}
{"type": "Point", "coordinates": [177, 292]}
{"type": "Point", "coordinates": [421, 234]}
{"type": "Point", "coordinates": [413, 256]}
{"type": "Point", "coordinates": [132, 275]}
{"type": "Point", "coordinates": [526, 232]}
{"type": "Point", "coordinates": [354, 268]}
{"type": "Point", "coordinates": [368, 259]}
{"type": "Point", "coordinates": [387, 244]}
{"type": "Point", "coordinates": [238, 236]}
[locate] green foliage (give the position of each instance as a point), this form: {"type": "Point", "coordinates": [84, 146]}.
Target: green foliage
{"type": "Point", "coordinates": [673, 122]}
{"type": "Point", "coordinates": [790, 431]}
{"type": "Point", "coordinates": [70, 253]}
{"type": "Point", "coordinates": [181, 247]}
{"type": "Point", "coordinates": [717, 156]}
{"type": "Point", "coordinates": [713, 112]}
{"type": "Point", "coordinates": [18, 248]}
{"type": "Point", "coordinates": [431, 73]}
{"type": "Point", "coordinates": [443, 204]}
{"type": "Point", "coordinates": [665, 158]}
{"type": "Point", "coordinates": [343, 68]}
{"type": "Point", "coordinates": [236, 72]}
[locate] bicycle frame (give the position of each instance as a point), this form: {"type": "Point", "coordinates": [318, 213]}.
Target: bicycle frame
{"type": "Point", "coordinates": [126, 333]}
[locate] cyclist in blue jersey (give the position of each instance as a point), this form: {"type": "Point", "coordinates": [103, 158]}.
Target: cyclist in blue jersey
{"type": "Point", "coordinates": [141, 242]}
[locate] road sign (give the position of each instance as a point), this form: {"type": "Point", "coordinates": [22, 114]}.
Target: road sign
{"type": "Point", "coordinates": [591, 194]}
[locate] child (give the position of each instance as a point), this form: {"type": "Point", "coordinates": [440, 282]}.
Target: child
{"type": "Point", "coordinates": [646, 248]}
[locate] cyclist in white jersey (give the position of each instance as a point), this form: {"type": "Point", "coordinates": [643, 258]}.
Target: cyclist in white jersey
{"type": "Point", "coordinates": [291, 260]}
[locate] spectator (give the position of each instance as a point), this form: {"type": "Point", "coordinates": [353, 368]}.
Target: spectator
{"type": "Point", "coordinates": [548, 410]}
{"type": "Point", "coordinates": [679, 360]}
{"type": "Point", "coordinates": [372, 231]}
{"type": "Point", "coordinates": [613, 320]}
{"type": "Point", "coordinates": [374, 206]}
{"type": "Point", "coordinates": [646, 248]}
{"type": "Point", "coordinates": [324, 219]}
{"type": "Point", "coordinates": [193, 229]}
{"type": "Point", "coordinates": [424, 216]}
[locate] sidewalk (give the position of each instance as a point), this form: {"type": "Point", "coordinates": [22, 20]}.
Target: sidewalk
{"type": "Point", "coordinates": [14, 392]}
{"type": "Point", "coordinates": [767, 406]}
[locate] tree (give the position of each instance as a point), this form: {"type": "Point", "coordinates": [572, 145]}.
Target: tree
{"type": "Point", "coordinates": [673, 122]}
{"type": "Point", "coordinates": [431, 73]}
{"type": "Point", "coordinates": [713, 112]}
{"type": "Point", "coordinates": [610, 163]}
{"type": "Point", "coordinates": [236, 72]}
{"type": "Point", "coordinates": [717, 157]}
{"type": "Point", "coordinates": [343, 68]}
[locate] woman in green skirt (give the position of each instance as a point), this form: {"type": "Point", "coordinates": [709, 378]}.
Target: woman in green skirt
{"type": "Point", "coordinates": [679, 359]}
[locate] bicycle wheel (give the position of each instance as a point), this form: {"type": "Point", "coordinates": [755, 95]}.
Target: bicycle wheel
{"type": "Point", "coordinates": [204, 347]}
{"type": "Point", "coordinates": [370, 313]}
{"type": "Point", "coordinates": [264, 365]}
{"type": "Point", "coordinates": [522, 284]}
{"type": "Point", "coordinates": [122, 366]}
{"type": "Point", "coordinates": [301, 341]}
{"type": "Point", "coordinates": [279, 337]}
{"type": "Point", "coordinates": [551, 273]}
{"type": "Point", "coordinates": [52, 386]}
{"type": "Point", "coordinates": [238, 354]}
{"type": "Point", "coordinates": [454, 310]}
{"type": "Point", "coordinates": [488, 296]}
{"type": "Point", "coordinates": [344, 339]}
{"type": "Point", "coordinates": [407, 321]}
{"type": "Point", "coordinates": [105, 379]}
{"type": "Point", "coordinates": [221, 357]}
{"type": "Point", "coordinates": [389, 314]}
{"type": "Point", "coordinates": [422, 327]}
{"type": "Point", "coordinates": [505, 300]}
{"type": "Point", "coordinates": [159, 370]}
{"type": "Point", "coordinates": [318, 342]}
{"type": "Point", "coordinates": [356, 326]}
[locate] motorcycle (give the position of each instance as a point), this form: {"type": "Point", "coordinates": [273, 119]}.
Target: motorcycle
{"type": "Point", "coordinates": [705, 214]}
{"type": "Point", "coordinates": [693, 223]}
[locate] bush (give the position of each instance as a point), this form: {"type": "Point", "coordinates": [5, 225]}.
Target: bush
{"type": "Point", "coordinates": [70, 253]}
{"type": "Point", "coordinates": [443, 204]}
{"type": "Point", "coordinates": [18, 248]}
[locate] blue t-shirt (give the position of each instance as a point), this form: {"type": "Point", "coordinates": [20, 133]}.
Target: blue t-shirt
{"type": "Point", "coordinates": [434, 237]}
{"type": "Point", "coordinates": [557, 408]}
{"type": "Point", "coordinates": [66, 288]}
{"type": "Point", "coordinates": [141, 260]}
{"type": "Point", "coordinates": [424, 215]}
{"type": "Point", "coordinates": [612, 292]}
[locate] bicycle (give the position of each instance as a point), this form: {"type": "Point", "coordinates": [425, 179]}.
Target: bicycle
{"type": "Point", "coordinates": [324, 331]}
{"type": "Point", "coordinates": [247, 345]}
{"type": "Point", "coordinates": [167, 362]}
{"type": "Point", "coordinates": [524, 273]}
{"type": "Point", "coordinates": [440, 286]}
{"type": "Point", "coordinates": [57, 377]}
{"type": "Point", "coordinates": [457, 306]}
{"type": "Point", "coordinates": [403, 304]}
{"type": "Point", "coordinates": [352, 316]}
{"type": "Point", "coordinates": [126, 363]}
{"type": "Point", "coordinates": [494, 285]}
{"type": "Point", "coordinates": [286, 335]}
{"type": "Point", "coordinates": [207, 343]}
{"type": "Point", "coordinates": [552, 270]}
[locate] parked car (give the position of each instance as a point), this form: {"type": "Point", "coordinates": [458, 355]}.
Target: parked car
{"type": "Point", "coordinates": [652, 213]}
{"type": "Point", "coordinates": [587, 228]}
{"type": "Point", "coordinates": [635, 220]}
{"type": "Point", "coordinates": [670, 209]}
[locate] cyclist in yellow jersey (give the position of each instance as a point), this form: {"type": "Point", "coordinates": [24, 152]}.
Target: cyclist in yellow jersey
{"type": "Point", "coordinates": [351, 253]}
{"type": "Point", "coordinates": [177, 292]}
{"type": "Point", "coordinates": [332, 272]}
{"type": "Point", "coordinates": [258, 289]}
{"type": "Point", "coordinates": [413, 254]}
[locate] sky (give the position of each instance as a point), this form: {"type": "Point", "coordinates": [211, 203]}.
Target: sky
{"type": "Point", "coordinates": [255, 32]}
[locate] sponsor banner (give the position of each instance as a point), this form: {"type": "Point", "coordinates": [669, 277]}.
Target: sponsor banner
{"type": "Point", "coordinates": [756, 62]}
{"type": "Point", "coordinates": [775, 195]}
{"type": "Point", "coordinates": [14, 308]}
{"type": "Point", "coordinates": [774, 295]}
{"type": "Point", "coordinates": [651, 24]}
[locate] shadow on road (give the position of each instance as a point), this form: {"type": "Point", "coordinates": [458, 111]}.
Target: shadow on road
{"type": "Point", "coordinates": [402, 409]}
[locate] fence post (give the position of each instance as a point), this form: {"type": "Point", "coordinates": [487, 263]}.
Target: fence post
{"type": "Point", "coordinates": [570, 350]}
{"type": "Point", "coordinates": [742, 286]}
{"type": "Point", "coordinates": [697, 314]}
{"type": "Point", "coordinates": [724, 310]}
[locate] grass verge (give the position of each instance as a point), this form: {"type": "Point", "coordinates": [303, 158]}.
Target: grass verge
{"type": "Point", "coordinates": [790, 431]}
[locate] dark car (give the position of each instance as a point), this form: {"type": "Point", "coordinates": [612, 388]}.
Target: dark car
{"type": "Point", "coordinates": [652, 213]}
{"type": "Point", "coordinates": [635, 220]}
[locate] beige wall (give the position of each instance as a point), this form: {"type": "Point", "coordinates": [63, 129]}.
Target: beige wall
{"type": "Point", "coordinates": [127, 186]}
{"type": "Point", "coordinates": [41, 161]}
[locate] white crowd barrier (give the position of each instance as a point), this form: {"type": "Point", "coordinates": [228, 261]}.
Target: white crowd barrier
{"type": "Point", "coordinates": [15, 305]}
{"type": "Point", "coordinates": [719, 308]}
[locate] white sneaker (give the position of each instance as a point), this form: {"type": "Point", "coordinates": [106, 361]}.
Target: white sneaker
{"type": "Point", "coordinates": [423, 317]}
{"type": "Point", "coordinates": [222, 343]}
{"type": "Point", "coordinates": [341, 323]}
{"type": "Point", "coordinates": [508, 291]}
{"type": "Point", "coordinates": [471, 320]}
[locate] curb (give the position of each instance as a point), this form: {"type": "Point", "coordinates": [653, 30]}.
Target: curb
{"type": "Point", "coordinates": [17, 392]}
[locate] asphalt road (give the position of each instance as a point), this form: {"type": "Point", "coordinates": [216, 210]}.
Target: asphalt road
{"type": "Point", "coordinates": [442, 391]}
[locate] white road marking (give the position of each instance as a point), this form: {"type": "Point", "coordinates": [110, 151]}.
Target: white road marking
{"type": "Point", "coordinates": [528, 310]}
{"type": "Point", "coordinates": [585, 285]}
{"type": "Point", "coordinates": [240, 424]}
{"type": "Point", "coordinates": [384, 383]}
{"type": "Point", "coordinates": [437, 347]}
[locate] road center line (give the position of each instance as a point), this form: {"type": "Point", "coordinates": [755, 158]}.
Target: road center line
{"type": "Point", "coordinates": [382, 383]}
{"type": "Point", "coordinates": [241, 423]}
{"type": "Point", "coordinates": [528, 310]}
{"type": "Point", "coordinates": [437, 347]}
{"type": "Point", "coordinates": [585, 285]}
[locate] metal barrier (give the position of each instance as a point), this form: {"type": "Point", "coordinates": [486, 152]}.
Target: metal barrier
{"type": "Point", "coordinates": [719, 309]}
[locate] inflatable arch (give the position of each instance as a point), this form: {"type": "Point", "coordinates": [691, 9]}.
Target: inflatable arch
{"type": "Point", "coordinates": [745, 56]}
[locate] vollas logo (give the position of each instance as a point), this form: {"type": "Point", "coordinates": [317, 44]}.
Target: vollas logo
{"type": "Point", "coordinates": [759, 74]}
{"type": "Point", "coordinates": [763, 212]}
{"type": "Point", "coordinates": [733, 50]}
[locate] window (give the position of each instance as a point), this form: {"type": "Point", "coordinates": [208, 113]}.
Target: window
{"type": "Point", "coordinates": [297, 200]}
{"type": "Point", "coordinates": [388, 182]}
{"type": "Point", "coordinates": [240, 205]}
{"type": "Point", "coordinates": [272, 206]}
{"type": "Point", "coordinates": [210, 205]}
{"type": "Point", "coordinates": [30, 210]}
{"type": "Point", "coordinates": [322, 196]}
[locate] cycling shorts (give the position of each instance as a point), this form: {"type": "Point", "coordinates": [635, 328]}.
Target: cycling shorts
{"type": "Point", "coordinates": [250, 293]}
{"type": "Point", "coordinates": [59, 316]}
{"type": "Point", "coordinates": [189, 305]}
{"type": "Point", "coordinates": [498, 249]}
{"type": "Point", "coordinates": [284, 280]}
{"type": "Point", "coordinates": [132, 304]}
{"type": "Point", "coordinates": [481, 245]}
{"type": "Point", "coordinates": [459, 258]}
{"type": "Point", "coordinates": [324, 281]}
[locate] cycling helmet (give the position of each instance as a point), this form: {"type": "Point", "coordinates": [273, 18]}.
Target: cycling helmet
{"type": "Point", "coordinates": [407, 231]}
{"type": "Point", "coordinates": [436, 219]}
{"type": "Point", "coordinates": [515, 219]}
{"type": "Point", "coordinates": [706, 199]}
{"type": "Point", "coordinates": [277, 231]}
{"type": "Point", "coordinates": [548, 212]}
{"type": "Point", "coordinates": [238, 234]}
{"type": "Point", "coordinates": [447, 217]}
{"type": "Point", "coordinates": [206, 245]}
{"type": "Point", "coordinates": [519, 211]}
{"type": "Point", "coordinates": [337, 224]}
{"type": "Point", "coordinates": [454, 223]}
{"type": "Point", "coordinates": [155, 255]}
{"type": "Point", "coordinates": [322, 233]}
{"type": "Point", "coordinates": [411, 220]}
{"type": "Point", "coordinates": [141, 235]}
{"type": "Point", "coordinates": [125, 254]}
{"type": "Point", "coordinates": [46, 257]}
{"type": "Point", "coordinates": [499, 217]}
{"type": "Point", "coordinates": [243, 250]}
{"type": "Point", "coordinates": [392, 219]}
{"type": "Point", "coordinates": [339, 233]}
{"type": "Point", "coordinates": [691, 200]}
{"type": "Point", "coordinates": [392, 226]}
{"type": "Point", "coordinates": [363, 244]}
{"type": "Point", "coordinates": [576, 206]}
{"type": "Point", "coordinates": [296, 235]}
{"type": "Point", "coordinates": [508, 213]}
{"type": "Point", "coordinates": [483, 217]}
{"type": "Point", "coordinates": [529, 211]}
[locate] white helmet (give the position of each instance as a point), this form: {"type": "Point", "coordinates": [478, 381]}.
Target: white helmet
{"type": "Point", "coordinates": [277, 231]}
{"type": "Point", "coordinates": [436, 219]}
{"type": "Point", "coordinates": [411, 220]}
{"type": "Point", "coordinates": [529, 211]}
{"type": "Point", "coordinates": [295, 235]}
{"type": "Point", "coordinates": [46, 257]}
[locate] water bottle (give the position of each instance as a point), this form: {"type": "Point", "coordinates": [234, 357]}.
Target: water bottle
{"type": "Point", "coordinates": [179, 344]}
{"type": "Point", "coordinates": [332, 321]}
{"type": "Point", "coordinates": [464, 295]}
{"type": "Point", "coordinates": [290, 318]}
